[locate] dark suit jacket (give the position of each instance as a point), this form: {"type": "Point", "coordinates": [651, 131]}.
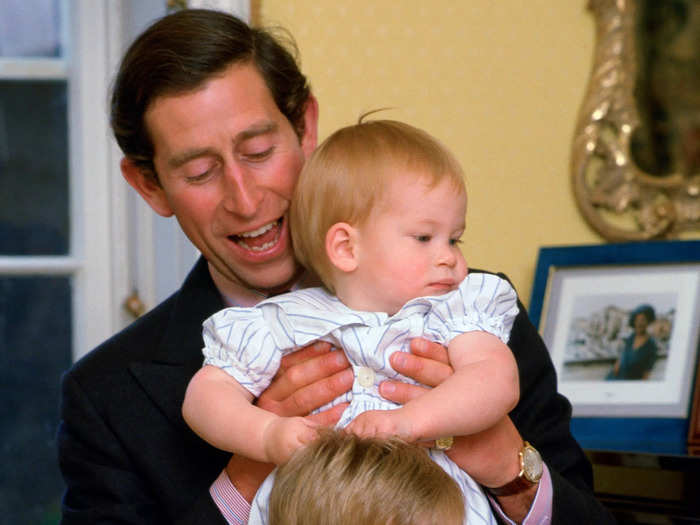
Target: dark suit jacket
{"type": "Point", "coordinates": [127, 456]}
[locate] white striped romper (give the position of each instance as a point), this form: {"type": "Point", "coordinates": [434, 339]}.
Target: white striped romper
{"type": "Point", "coordinates": [248, 343]}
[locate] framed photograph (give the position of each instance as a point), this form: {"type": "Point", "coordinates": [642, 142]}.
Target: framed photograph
{"type": "Point", "coordinates": [621, 324]}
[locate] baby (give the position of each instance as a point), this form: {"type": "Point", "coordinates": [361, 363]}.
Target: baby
{"type": "Point", "coordinates": [377, 214]}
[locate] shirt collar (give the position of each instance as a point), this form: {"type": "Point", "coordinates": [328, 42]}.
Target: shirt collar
{"type": "Point", "coordinates": [249, 297]}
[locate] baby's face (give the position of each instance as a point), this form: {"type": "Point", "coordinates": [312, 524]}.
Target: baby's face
{"type": "Point", "coordinates": [409, 246]}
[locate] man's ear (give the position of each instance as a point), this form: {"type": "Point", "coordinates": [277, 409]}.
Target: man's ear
{"type": "Point", "coordinates": [310, 137]}
{"type": "Point", "coordinates": [341, 246]}
{"type": "Point", "coordinates": [147, 186]}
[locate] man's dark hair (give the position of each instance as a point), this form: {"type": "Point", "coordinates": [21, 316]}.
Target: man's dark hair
{"type": "Point", "coordinates": [182, 51]}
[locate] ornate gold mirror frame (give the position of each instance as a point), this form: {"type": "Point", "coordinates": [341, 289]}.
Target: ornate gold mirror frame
{"type": "Point", "coordinates": [620, 200]}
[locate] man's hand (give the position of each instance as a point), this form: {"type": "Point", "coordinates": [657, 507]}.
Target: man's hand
{"type": "Point", "coordinates": [306, 380]}
{"type": "Point", "coordinates": [490, 456]}
{"type": "Point", "coordinates": [427, 363]}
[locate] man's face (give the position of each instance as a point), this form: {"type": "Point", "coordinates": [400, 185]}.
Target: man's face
{"type": "Point", "coordinates": [227, 160]}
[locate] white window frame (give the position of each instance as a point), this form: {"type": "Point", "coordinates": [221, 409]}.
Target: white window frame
{"type": "Point", "coordinates": [93, 304]}
{"type": "Point", "coordinates": [118, 244]}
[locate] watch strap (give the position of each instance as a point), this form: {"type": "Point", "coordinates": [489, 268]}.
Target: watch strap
{"type": "Point", "coordinates": [521, 482]}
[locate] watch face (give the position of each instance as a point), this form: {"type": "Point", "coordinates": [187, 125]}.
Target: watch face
{"type": "Point", "coordinates": [532, 464]}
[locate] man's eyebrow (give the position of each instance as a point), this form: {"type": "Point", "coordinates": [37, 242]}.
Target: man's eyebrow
{"type": "Point", "coordinates": [255, 130]}
{"type": "Point", "coordinates": [183, 158]}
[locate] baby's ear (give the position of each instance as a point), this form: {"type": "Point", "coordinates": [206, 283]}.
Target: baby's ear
{"type": "Point", "coordinates": [341, 246]}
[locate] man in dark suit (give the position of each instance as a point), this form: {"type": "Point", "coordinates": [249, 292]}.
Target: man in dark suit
{"type": "Point", "coordinates": [215, 121]}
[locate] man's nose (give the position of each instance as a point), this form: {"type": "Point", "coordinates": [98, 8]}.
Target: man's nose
{"type": "Point", "coordinates": [241, 193]}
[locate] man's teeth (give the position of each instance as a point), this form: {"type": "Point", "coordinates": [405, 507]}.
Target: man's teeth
{"type": "Point", "coordinates": [259, 231]}
{"type": "Point", "coordinates": [241, 238]}
{"type": "Point", "coordinates": [256, 248]}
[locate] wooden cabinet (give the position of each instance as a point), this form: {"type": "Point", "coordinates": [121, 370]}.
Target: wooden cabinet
{"type": "Point", "coordinates": [648, 488]}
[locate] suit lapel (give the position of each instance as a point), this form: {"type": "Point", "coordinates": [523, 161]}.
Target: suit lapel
{"type": "Point", "coordinates": [179, 354]}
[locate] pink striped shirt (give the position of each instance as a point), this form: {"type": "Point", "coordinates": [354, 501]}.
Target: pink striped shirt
{"type": "Point", "coordinates": [233, 506]}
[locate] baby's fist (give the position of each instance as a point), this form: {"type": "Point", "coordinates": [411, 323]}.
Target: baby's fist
{"type": "Point", "coordinates": [284, 435]}
{"type": "Point", "coordinates": [381, 423]}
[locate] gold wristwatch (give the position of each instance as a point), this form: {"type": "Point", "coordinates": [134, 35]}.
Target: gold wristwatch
{"type": "Point", "coordinates": [530, 472]}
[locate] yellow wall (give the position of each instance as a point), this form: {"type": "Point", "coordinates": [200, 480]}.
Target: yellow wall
{"type": "Point", "coordinates": [500, 82]}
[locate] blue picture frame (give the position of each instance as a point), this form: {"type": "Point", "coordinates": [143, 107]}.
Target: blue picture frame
{"type": "Point", "coordinates": [639, 434]}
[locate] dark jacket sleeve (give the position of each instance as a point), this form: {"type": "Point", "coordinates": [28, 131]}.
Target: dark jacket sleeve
{"type": "Point", "coordinates": [103, 484]}
{"type": "Point", "coordinates": [125, 452]}
{"type": "Point", "coordinates": [543, 417]}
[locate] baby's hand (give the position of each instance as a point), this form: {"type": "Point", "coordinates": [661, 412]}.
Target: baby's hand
{"type": "Point", "coordinates": [382, 423]}
{"type": "Point", "coordinates": [284, 435]}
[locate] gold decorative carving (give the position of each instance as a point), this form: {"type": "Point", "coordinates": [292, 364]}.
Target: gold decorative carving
{"type": "Point", "coordinates": [619, 199]}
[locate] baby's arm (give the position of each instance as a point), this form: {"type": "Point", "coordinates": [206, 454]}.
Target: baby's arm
{"type": "Point", "coordinates": [220, 410]}
{"type": "Point", "coordinates": [483, 388]}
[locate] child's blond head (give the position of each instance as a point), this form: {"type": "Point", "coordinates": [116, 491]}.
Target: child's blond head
{"type": "Point", "coordinates": [349, 174]}
{"type": "Point", "coordinates": [342, 479]}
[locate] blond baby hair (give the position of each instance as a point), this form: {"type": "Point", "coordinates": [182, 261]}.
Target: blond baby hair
{"type": "Point", "coordinates": [342, 479]}
{"type": "Point", "coordinates": [347, 176]}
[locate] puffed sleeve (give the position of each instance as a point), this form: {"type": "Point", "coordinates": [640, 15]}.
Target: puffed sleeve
{"type": "Point", "coordinates": [483, 302]}
{"type": "Point", "coordinates": [248, 344]}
